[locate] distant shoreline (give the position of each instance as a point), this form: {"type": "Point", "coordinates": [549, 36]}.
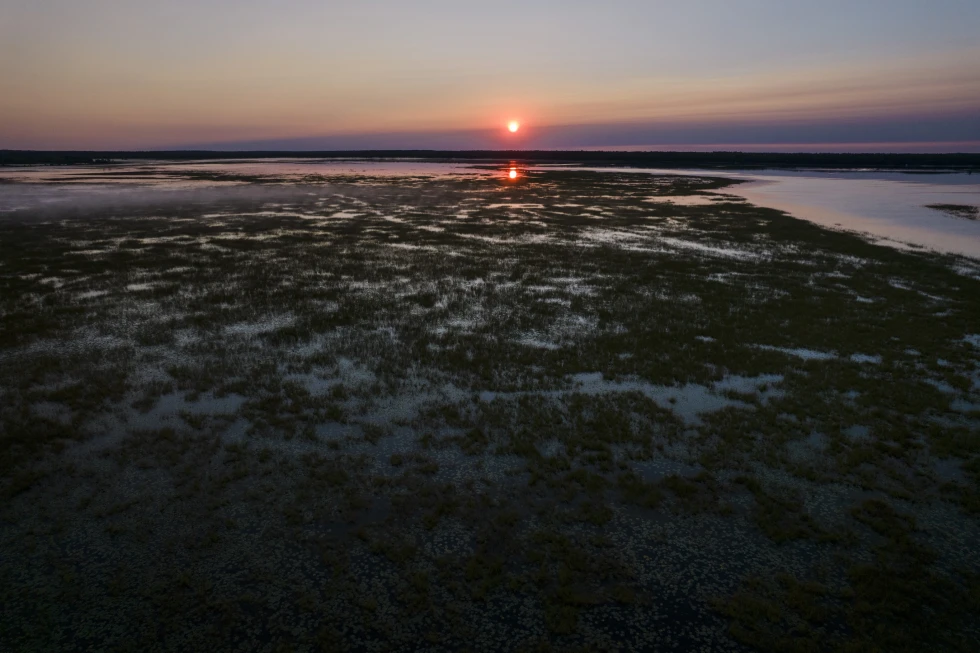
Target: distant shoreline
{"type": "Point", "coordinates": [921, 163]}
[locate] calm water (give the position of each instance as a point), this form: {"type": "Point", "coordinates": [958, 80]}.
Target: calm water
{"type": "Point", "coordinates": [58, 185]}
{"type": "Point", "coordinates": [294, 169]}
{"type": "Point", "coordinates": [889, 207]}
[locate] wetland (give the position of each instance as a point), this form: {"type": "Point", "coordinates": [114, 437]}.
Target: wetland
{"type": "Point", "coordinates": [270, 406]}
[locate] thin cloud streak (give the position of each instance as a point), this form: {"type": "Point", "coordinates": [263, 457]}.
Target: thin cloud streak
{"type": "Point", "coordinates": [122, 119]}
{"type": "Point", "coordinates": [927, 132]}
{"type": "Point", "coordinates": [65, 88]}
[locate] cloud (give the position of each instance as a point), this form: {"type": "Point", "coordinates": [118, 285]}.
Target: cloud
{"type": "Point", "coordinates": [926, 98]}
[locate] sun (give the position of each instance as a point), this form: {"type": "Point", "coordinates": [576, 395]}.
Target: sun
{"type": "Point", "coordinates": [513, 173]}
{"type": "Point", "coordinates": [513, 126]}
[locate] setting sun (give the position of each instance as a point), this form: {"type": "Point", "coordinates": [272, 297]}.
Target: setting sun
{"type": "Point", "coordinates": [513, 126]}
{"type": "Point", "coordinates": [513, 172]}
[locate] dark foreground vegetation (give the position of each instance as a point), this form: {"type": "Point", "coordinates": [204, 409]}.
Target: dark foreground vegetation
{"type": "Point", "coordinates": [718, 160]}
{"type": "Point", "coordinates": [965, 211]}
{"type": "Point", "coordinates": [596, 412]}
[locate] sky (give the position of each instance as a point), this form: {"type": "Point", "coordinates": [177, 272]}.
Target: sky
{"type": "Point", "coordinates": [835, 75]}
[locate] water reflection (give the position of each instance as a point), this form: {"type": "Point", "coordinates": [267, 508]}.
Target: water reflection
{"type": "Point", "coordinates": [289, 169]}
{"type": "Point", "coordinates": [890, 207]}
{"type": "Point", "coordinates": [893, 212]}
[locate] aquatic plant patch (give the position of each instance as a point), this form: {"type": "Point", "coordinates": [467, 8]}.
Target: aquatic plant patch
{"type": "Point", "coordinates": [596, 411]}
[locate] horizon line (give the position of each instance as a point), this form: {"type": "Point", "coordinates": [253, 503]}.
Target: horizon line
{"type": "Point", "coordinates": [720, 148]}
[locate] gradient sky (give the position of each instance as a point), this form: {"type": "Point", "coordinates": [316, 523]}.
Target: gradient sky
{"type": "Point", "coordinates": [316, 74]}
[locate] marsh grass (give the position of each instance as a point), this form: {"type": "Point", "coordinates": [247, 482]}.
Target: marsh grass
{"type": "Point", "coordinates": [965, 211]}
{"type": "Point", "coordinates": [357, 411]}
